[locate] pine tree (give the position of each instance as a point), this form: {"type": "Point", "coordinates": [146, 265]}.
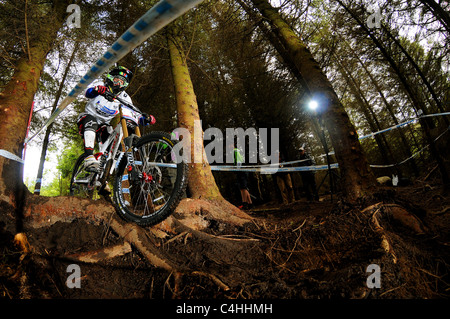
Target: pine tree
{"type": "Point", "coordinates": [17, 96]}
{"type": "Point", "coordinates": [356, 178]}
{"type": "Point", "coordinates": [201, 181]}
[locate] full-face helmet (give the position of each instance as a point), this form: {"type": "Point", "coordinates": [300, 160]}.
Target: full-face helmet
{"type": "Point", "coordinates": [118, 79]}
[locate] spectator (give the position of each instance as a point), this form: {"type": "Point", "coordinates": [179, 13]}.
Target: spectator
{"type": "Point", "coordinates": [284, 183]}
{"type": "Point", "coordinates": [242, 178]}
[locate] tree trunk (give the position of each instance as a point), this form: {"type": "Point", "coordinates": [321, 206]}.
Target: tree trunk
{"type": "Point", "coordinates": [202, 185]}
{"type": "Point", "coordinates": [15, 106]}
{"type": "Point", "coordinates": [201, 180]}
{"type": "Point", "coordinates": [439, 12]}
{"type": "Point", "coordinates": [357, 179]}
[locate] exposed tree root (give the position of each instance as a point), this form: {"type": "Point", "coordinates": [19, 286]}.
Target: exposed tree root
{"type": "Point", "coordinates": [21, 242]}
{"type": "Point", "coordinates": [216, 280]}
{"type": "Point", "coordinates": [101, 254]}
{"type": "Point", "coordinates": [139, 238]}
{"type": "Point", "coordinates": [187, 225]}
{"type": "Point", "coordinates": [384, 238]}
{"type": "Point", "coordinates": [198, 213]}
{"type": "Point", "coordinates": [397, 213]}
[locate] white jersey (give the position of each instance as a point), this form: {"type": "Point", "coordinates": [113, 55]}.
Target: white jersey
{"type": "Point", "coordinates": [104, 111]}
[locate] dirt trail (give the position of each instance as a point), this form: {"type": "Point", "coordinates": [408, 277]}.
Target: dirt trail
{"type": "Point", "coordinates": [302, 250]}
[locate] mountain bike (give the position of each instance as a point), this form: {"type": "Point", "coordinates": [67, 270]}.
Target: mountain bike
{"type": "Point", "coordinates": [150, 176]}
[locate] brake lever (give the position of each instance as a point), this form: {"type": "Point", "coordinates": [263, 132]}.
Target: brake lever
{"type": "Point", "coordinates": [109, 96]}
{"type": "Point", "coordinates": [131, 106]}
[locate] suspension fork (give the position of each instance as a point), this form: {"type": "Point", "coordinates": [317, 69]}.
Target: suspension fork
{"type": "Point", "coordinates": [123, 122]}
{"type": "Point", "coordinates": [128, 148]}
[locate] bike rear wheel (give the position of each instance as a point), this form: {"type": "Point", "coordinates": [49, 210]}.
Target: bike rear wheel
{"type": "Point", "coordinates": [147, 191]}
{"type": "Point", "coordinates": [81, 181]}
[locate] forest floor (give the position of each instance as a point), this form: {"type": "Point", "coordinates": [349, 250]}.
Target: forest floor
{"type": "Point", "coordinates": [310, 250]}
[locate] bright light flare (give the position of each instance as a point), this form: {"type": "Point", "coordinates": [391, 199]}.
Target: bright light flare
{"type": "Point", "coordinates": [313, 105]}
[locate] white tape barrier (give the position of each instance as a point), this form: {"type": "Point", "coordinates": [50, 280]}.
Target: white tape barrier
{"type": "Point", "coordinates": [387, 129]}
{"type": "Point", "coordinates": [403, 124]}
{"type": "Point", "coordinates": [274, 168]}
{"type": "Point", "coordinates": [11, 156]}
{"type": "Point", "coordinates": [267, 165]}
{"type": "Point", "coordinates": [270, 169]}
{"type": "Point", "coordinates": [164, 12]}
{"type": "Point", "coordinates": [412, 156]}
{"type": "Point", "coordinates": [264, 169]}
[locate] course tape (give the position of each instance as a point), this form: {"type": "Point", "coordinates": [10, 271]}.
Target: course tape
{"type": "Point", "coordinates": [387, 129]}
{"type": "Point", "coordinates": [264, 165]}
{"type": "Point", "coordinates": [274, 169]}
{"type": "Point", "coordinates": [260, 169]}
{"type": "Point", "coordinates": [403, 124]}
{"type": "Point", "coordinates": [164, 12]}
{"type": "Point", "coordinates": [11, 156]}
{"type": "Point", "coordinates": [412, 156]}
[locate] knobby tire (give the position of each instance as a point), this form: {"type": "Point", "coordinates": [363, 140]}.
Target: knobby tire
{"type": "Point", "coordinates": [150, 198]}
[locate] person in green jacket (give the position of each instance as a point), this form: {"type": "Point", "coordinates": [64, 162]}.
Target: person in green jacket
{"type": "Point", "coordinates": [242, 179]}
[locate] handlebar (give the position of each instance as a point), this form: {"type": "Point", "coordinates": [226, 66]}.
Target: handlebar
{"type": "Point", "coordinates": [109, 96]}
{"type": "Point", "coordinates": [147, 119]}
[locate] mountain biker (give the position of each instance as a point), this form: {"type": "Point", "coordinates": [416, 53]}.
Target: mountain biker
{"type": "Point", "coordinates": [101, 109]}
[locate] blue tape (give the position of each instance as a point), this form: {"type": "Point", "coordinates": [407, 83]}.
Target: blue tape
{"type": "Point", "coordinates": [108, 55]}
{"type": "Point", "coordinates": [141, 25]}
{"type": "Point", "coordinates": [128, 36]}
{"type": "Point", "coordinates": [117, 46]}
{"type": "Point", "coordinates": [163, 7]}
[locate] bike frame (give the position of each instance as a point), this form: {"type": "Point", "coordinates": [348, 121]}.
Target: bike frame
{"type": "Point", "coordinates": [115, 139]}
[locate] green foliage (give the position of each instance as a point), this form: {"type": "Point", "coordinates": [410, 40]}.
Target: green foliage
{"type": "Point", "coordinates": [66, 160]}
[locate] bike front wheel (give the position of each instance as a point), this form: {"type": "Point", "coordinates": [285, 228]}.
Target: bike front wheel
{"type": "Point", "coordinates": [150, 184]}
